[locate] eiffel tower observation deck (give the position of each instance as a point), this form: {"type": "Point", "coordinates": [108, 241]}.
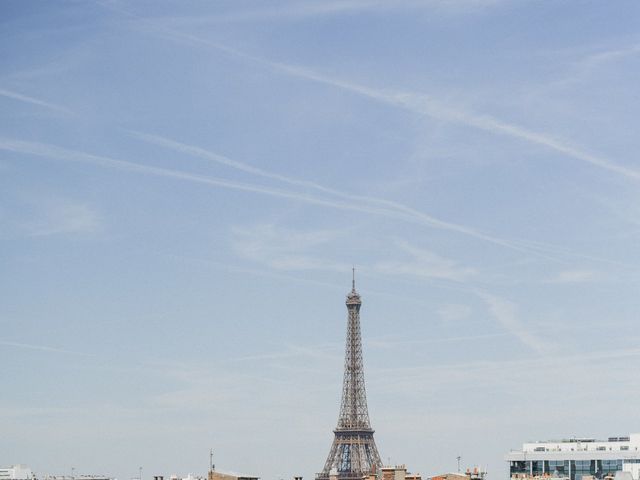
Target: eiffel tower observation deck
{"type": "Point", "coordinates": [353, 454]}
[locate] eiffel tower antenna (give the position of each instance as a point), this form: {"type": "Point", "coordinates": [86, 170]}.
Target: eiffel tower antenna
{"type": "Point", "coordinates": [353, 279]}
{"type": "Point", "coordinates": [353, 453]}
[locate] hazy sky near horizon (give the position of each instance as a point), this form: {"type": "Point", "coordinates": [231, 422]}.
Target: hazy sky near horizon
{"type": "Point", "coordinates": [185, 186]}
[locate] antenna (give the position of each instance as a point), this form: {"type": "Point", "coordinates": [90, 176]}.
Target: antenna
{"type": "Point", "coordinates": [212, 467]}
{"type": "Point", "coordinates": [353, 278]}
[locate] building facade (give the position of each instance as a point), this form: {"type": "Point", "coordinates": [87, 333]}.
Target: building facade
{"type": "Point", "coordinates": [474, 473]}
{"type": "Point", "coordinates": [215, 475]}
{"type": "Point", "coordinates": [16, 472]}
{"type": "Point", "coordinates": [397, 472]}
{"type": "Point", "coordinates": [577, 458]}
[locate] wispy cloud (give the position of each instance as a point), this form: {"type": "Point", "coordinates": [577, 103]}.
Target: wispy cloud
{"type": "Point", "coordinates": [418, 103]}
{"type": "Point", "coordinates": [574, 276]}
{"type": "Point", "coordinates": [506, 366]}
{"type": "Point", "coordinates": [505, 313]}
{"type": "Point", "coordinates": [392, 209]}
{"type": "Point", "coordinates": [301, 10]}
{"type": "Point", "coordinates": [64, 217]}
{"type": "Point", "coordinates": [58, 153]}
{"type": "Point", "coordinates": [284, 249]}
{"type": "Point", "coordinates": [425, 263]}
{"type": "Point", "coordinates": [329, 351]}
{"type": "Point", "coordinates": [488, 378]}
{"type": "Point", "coordinates": [41, 348]}
{"type": "Point", "coordinates": [389, 343]}
{"type": "Point", "coordinates": [414, 102]}
{"type": "Point", "coordinates": [427, 105]}
{"type": "Point", "coordinates": [238, 165]}
{"type": "Point", "coordinates": [585, 66]}
{"type": "Point", "coordinates": [597, 59]}
{"type": "Point", "coordinates": [430, 266]}
{"type": "Point", "coordinates": [453, 312]}
{"type": "Point", "coordinates": [404, 212]}
{"type": "Point", "coordinates": [562, 254]}
{"type": "Point", "coordinates": [33, 101]}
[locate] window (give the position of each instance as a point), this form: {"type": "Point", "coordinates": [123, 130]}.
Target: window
{"type": "Point", "coordinates": [611, 466]}
{"type": "Point", "coordinates": [536, 467]}
{"type": "Point", "coordinates": [583, 467]}
{"type": "Point", "coordinates": [518, 467]}
{"type": "Point", "coordinates": [557, 466]}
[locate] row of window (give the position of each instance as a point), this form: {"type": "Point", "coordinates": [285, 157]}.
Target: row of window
{"type": "Point", "coordinates": [600, 448]}
{"type": "Point", "coordinates": [563, 467]}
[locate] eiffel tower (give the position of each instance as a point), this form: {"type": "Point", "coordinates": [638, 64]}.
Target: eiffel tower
{"type": "Point", "coordinates": [353, 453]}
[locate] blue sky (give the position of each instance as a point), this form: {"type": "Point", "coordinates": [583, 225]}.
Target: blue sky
{"type": "Point", "coordinates": [184, 187]}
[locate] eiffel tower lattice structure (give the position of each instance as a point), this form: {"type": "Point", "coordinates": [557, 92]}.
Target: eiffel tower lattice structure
{"type": "Point", "coordinates": [353, 453]}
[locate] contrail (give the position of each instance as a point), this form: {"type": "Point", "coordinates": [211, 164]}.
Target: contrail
{"type": "Point", "coordinates": [52, 151]}
{"type": "Point", "coordinates": [417, 103]}
{"type": "Point", "coordinates": [42, 348]}
{"type": "Point", "coordinates": [33, 101]}
{"type": "Point", "coordinates": [548, 252]}
{"type": "Point", "coordinates": [421, 217]}
{"type": "Point", "coordinates": [426, 105]}
{"type": "Point", "coordinates": [505, 313]}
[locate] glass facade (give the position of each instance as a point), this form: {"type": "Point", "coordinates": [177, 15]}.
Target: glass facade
{"type": "Point", "coordinates": [610, 467]}
{"type": "Point", "coordinates": [582, 467]}
{"type": "Point", "coordinates": [518, 467]}
{"type": "Point", "coordinates": [575, 469]}
{"type": "Point", "coordinates": [537, 467]}
{"type": "Point", "coordinates": [558, 468]}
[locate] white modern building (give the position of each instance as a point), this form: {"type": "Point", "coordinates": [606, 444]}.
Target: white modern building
{"type": "Point", "coordinates": [575, 458]}
{"type": "Point", "coordinates": [16, 472]}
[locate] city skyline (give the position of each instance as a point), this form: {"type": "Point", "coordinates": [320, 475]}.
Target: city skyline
{"type": "Point", "coordinates": [185, 187]}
